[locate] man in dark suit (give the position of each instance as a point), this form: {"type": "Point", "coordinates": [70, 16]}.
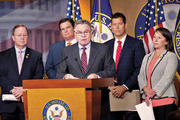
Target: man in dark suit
{"type": "Point", "coordinates": [16, 64]}
{"type": "Point", "coordinates": [85, 59]}
{"type": "Point", "coordinates": [66, 27]}
{"type": "Point", "coordinates": [128, 54]}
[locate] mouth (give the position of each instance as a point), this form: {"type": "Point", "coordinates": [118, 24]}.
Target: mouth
{"type": "Point", "coordinates": [155, 44]}
{"type": "Point", "coordinates": [83, 39]}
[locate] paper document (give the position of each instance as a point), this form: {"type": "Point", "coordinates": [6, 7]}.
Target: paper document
{"type": "Point", "coordinates": [8, 97]}
{"type": "Point", "coordinates": [126, 103]}
{"type": "Point", "coordinates": [145, 112]}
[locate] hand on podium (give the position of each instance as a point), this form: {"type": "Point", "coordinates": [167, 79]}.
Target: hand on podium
{"type": "Point", "coordinates": [69, 76]}
{"type": "Point", "coordinates": [93, 75]}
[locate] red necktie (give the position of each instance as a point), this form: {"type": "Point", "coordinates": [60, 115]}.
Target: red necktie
{"type": "Point", "coordinates": [84, 59]}
{"type": "Point", "coordinates": [118, 53]}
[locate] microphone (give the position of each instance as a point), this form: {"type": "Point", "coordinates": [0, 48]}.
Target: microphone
{"type": "Point", "coordinates": [62, 60]}
{"type": "Point", "coordinates": [76, 59]}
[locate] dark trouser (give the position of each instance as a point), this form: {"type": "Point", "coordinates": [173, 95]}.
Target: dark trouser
{"type": "Point", "coordinates": [16, 115]}
{"type": "Point", "coordinates": [161, 112]}
{"type": "Point", "coordinates": [129, 115]}
{"type": "Point", "coordinates": [105, 108]}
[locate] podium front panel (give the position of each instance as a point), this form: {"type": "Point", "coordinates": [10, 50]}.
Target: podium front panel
{"type": "Point", "coordinates": [57, 103]}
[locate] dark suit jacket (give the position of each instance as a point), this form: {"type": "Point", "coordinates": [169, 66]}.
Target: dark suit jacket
{"type": "Point", "coordinates": [100, 62]}
{"type": "Point", "coordinates": [129, 62]}
{"type": "Point", "coordinates": [32, 68]}
{"type": "Point", "coordinates": [53, 59]}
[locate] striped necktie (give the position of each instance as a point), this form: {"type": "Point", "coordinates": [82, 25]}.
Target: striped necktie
{"type": "Point", "coordinates": [84, 59]}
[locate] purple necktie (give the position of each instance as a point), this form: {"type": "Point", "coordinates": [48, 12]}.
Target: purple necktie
{"type": "Point", "coordinates": [84, 59]}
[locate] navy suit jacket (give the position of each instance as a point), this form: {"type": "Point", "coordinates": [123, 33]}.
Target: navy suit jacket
{"type": "Point", "coordinates": [53, 59]}
{"type": "Point", "coordinates": [100, 62]}
{"type": "Point", "coordinates": [129, 62]}
{"type": "Point", "coordinates": [32, 68]}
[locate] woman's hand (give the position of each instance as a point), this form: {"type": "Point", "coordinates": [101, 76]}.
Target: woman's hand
{"type": "Point", "coordinates": [150, 93]}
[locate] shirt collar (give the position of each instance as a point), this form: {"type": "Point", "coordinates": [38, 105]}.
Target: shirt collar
{"type": "Point", "coordinates": [72, 42]}
{"type": "Point", "coordinates": [23, 50]}
{"type": "Point", "coordinates": [122, 39]}
{"type": "Point", "coordinates": [87, 46]}
{"type": "Point", "coordinates": [162, 54]}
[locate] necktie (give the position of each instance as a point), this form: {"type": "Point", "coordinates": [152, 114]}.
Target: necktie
{"type": "Point", "coordinates": [118, 53]}
{"type": "Point", "coordinates": [69, 43]}
{"type": "Point", "coordinates": [84, 59]}
{"type": "Point", "coordinates": [20, 61]}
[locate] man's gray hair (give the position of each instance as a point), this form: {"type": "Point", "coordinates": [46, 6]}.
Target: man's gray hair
{"type": "Point", "coordinates": [82, 21]}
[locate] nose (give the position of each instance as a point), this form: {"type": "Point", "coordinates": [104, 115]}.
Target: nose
{"type": "Point", "coordinates": [154, 38]}
{"type": "Point", "coordinates": [117, 26]}
{"type": "Point", "coordinates": [83, 34]}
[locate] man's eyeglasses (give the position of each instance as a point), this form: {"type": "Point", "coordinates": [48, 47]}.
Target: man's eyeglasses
{"type": "Point", "coordinates": [79, 33]}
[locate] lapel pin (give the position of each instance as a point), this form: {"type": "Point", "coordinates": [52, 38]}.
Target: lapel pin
{"type": "Point", "coordinates": [27, 56]}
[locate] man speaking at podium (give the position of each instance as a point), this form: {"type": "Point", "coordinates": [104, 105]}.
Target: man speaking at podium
{"type": "Point", "coordinates": [85, 59]}
{"type": "Point", "coordinates": [16, 64]}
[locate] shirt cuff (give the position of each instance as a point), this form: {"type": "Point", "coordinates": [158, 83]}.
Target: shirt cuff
{"type": "Point", "coordinates": [125, 86]}
{"type": "Point", "coordinates": [99, 76]}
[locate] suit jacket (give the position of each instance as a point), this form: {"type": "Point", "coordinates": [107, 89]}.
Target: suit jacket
{"type": "Point", "coordinates": [129, 62]}
{"type": "Point", "coordinates": [53, 59]}
{"type": "Point", "coordinates": [100, 62]}
{"type": "Point", "coordinates": [162, 76]}
{"type": "Point", "coordinates": [32, 68]}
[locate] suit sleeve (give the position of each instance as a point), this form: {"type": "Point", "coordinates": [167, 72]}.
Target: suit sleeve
{"type": "Point", "coordinates": [138, 57]}
{"type": "Point", "coordinates": [49, 67]}
{"type": "Point", "coordinates": [168, 76]}
{"type": "Point", "coordinates": [39, 68]}
{"type": "Point", "coordinates": [62, 67]}
{"type": "Point", "coordinates": [109, 65]}
{"type": "Point", "coordinates": [142, 75]}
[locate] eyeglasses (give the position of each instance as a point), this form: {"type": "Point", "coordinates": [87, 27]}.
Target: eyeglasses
{"type": "Point", "coordinates": [79, 33]}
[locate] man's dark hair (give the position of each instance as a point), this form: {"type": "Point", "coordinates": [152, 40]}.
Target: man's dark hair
{"type": "Point", "coordinates": [63, 20]}
{"type": "Point", "coordinates": [119, 15]}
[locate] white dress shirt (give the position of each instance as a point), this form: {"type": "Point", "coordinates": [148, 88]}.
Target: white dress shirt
{"type": "Point", "coordinates": [116, 46]}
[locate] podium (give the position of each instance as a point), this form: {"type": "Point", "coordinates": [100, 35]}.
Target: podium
{"type": "Point", "coordinates": [91, 86]}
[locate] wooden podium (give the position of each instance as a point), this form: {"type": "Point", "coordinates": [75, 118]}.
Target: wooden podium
{"type": "Point", "coordinates": [92, 93]}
